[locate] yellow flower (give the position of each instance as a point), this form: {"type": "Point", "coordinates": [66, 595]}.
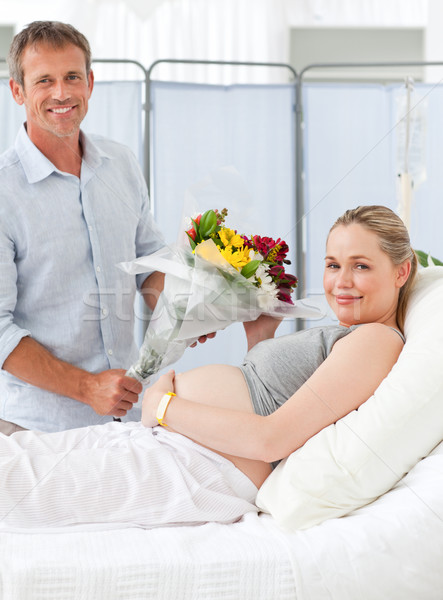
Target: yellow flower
{"type": "Point", "coordinates": [230, 238]}
{"type": "Point", "coordinates": [238, 259]}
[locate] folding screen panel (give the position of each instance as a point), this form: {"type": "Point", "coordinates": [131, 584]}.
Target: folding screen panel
{"type": "Point", "coordinates": [200, 130]}
{"type": "Point", "coordinates": [11, 116]}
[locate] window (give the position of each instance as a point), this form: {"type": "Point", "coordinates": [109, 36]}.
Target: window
{"type": "Point", "coordinates": [327, 45]}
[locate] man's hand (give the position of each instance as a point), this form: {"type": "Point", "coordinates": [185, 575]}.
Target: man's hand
{"type": "Point", "coordinates": [110, 392]}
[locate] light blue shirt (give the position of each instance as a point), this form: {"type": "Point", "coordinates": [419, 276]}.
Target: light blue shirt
{"type": "Point", "coordinates": [61, 238]}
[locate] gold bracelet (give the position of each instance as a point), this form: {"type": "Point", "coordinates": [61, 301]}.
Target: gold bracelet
{"type": "Point", "coordinates": [163, 407]}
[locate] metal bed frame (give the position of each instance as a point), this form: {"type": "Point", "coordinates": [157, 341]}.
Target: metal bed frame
{"type": "Point", "coordinates": [298, 82]}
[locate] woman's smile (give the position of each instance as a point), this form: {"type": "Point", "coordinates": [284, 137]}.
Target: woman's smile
{"type": "Point", "coordinates": [347, 299]}
{"type": "Point", "coordinates": [360, 280]}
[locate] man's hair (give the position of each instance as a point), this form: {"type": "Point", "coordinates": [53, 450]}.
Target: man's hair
{"type": "Point", "coordinates": [52, 33]}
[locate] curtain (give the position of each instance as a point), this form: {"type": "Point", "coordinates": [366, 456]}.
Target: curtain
{"type": "Point", "coordinates": [227, 30]}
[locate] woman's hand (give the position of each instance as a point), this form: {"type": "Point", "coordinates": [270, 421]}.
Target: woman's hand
{"type": "Point", "coordinates": [153, 395]}
{"type": "Point", "coordinates": [261, 329]}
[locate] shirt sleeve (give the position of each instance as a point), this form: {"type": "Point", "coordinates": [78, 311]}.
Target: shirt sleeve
{"type": "Point", "coordinates": [10, 333]}
{"type": "Point", "coordinates": [149, 236]}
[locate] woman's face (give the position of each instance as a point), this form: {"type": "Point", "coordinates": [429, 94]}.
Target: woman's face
{"type": "Point", "coordinates": [360, 280]}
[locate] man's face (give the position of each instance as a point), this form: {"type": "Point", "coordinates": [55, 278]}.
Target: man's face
{"type": "Point", "coordinates": [56, 90]}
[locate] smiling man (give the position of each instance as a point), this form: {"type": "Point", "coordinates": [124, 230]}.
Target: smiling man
{"type": "Point", "coordinates": [55, 86]}
{"type": "Point", "coordinates": [72, 206]}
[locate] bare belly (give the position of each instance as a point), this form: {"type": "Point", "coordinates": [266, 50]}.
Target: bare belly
{"type": "Point", "coordinates": [223, 386]}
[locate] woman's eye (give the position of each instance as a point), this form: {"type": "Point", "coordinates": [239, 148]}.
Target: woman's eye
{"type": "Point", "coordinates": [332, 266]}
{"type": "Point", "coordinates": [362, 267]}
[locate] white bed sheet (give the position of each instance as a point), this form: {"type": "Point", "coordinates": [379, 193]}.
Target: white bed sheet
{"type": "Point", "coordinates": [392, 548]}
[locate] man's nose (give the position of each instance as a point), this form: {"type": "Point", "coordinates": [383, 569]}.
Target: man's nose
{"type": "Point", "coordinates": [59, 90]}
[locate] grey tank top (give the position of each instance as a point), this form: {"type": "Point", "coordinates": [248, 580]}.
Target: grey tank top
{"type": "Point", "coordinates": [275, 369]}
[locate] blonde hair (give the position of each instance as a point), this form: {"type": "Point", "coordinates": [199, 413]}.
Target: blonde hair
{"type": "Point", "coordinates": [52, 33]}
{"type": "Point", "coordinates": [394, 240]}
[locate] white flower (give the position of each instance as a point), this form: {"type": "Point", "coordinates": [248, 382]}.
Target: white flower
{"type": "Point", "coordinates": [264, 281]}
{"type": "Point", "coordinates": [253, 255]}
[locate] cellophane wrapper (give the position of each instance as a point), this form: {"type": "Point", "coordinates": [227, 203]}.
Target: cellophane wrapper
{"type": "Point", "coordinates": [202, 293]}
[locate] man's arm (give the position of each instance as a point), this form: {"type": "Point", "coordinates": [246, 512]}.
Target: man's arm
{"type": "Point", "coordinates": [107, 393]}
{"type": "Point", "coordinates": [152, 287]}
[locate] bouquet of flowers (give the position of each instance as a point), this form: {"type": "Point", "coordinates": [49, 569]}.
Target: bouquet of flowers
{"type": "Point", "coordinates": [261, 260]}
{"type": "Point", "coordinates": [215, 278]}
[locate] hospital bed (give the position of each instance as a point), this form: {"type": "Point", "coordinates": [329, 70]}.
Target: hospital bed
{"type": "Point", "coordinates": [346, 521]}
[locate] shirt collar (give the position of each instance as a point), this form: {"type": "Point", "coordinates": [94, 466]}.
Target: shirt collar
{"type": "Point", "coordinates": [37, 167]}
{"type": "Point", "coordinates": [35, 164]}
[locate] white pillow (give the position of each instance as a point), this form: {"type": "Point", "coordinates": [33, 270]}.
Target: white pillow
{"type": "Point", "coordinates": [362, 456]}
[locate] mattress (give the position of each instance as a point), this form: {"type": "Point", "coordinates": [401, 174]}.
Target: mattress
{"type": "Point", "coordinates": [392, 548]}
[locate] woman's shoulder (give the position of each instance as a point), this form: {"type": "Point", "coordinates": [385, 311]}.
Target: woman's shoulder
{"type": "Point", "coordinates": [374, 336]}
{"type": "Point", "coordinates": [378, 329]}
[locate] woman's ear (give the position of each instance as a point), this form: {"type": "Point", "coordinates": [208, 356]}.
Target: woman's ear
{"type": "Point", "coordinates": [403, 272]}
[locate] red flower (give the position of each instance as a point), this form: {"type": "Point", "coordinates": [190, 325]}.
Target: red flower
{"type": "Point", "coordinates": [264, 244]}
{"type": "Point", "coordinates": [280, 252]}
{"type": "Point", "coordinates": [285, 295]}
{"type": "Point", "coordinates": [192, 233]}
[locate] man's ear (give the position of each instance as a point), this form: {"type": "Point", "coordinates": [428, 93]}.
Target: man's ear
{"type": "Point", "coordinates": [90, 82]}
{"type": "Point", "coordinates": [17, 91]}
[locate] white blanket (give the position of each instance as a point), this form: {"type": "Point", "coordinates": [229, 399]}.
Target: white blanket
{"type": "Point", "coordinates": [390, 549]}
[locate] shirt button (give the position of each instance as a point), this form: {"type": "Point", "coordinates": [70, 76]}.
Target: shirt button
{"type": "Point", "coordinates": [104, 311]}
{"type": "Point", "coordinates": [98, 269]}
{"type": "Point", "coordinates": [90, 227]}
{"type": "Point", "coordinates": [110, 352]}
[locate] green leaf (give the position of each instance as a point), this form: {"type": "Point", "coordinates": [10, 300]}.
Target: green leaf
{"type": "Point", "coordinates": [250, 269]}
{"type": "Point", "coordinates": [208, 223]}
{"type": "Point", "coordinates": [197, 231]}
{"type": "Point", "coordinates": [423, 259]}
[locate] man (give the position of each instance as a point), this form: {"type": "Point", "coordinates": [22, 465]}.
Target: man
{"type": "Point", "coordinates": [72, 206]}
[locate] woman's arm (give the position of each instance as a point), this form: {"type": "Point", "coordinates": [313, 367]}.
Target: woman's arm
{"type": "Point", "coordinates": [347, 378]}
{"type": "Point", "coordinates": [261, 329]}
